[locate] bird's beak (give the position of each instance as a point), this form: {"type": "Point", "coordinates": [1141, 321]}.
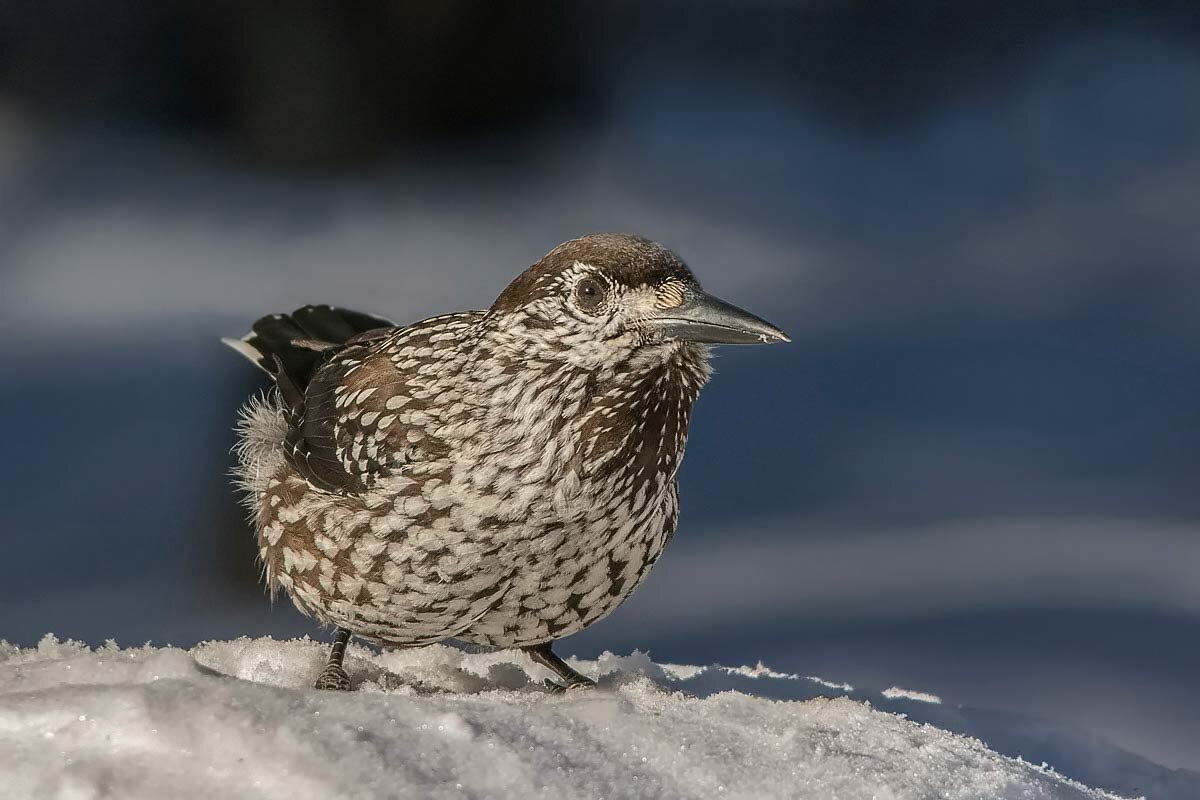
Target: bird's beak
{"type": "Point", "coordinates": [709, 320]}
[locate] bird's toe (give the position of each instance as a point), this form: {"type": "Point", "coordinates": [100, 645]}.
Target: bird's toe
{"type": "Point", "coordinates": [334, 678]}
{"type": "Point", "coordinates": [569, 686]}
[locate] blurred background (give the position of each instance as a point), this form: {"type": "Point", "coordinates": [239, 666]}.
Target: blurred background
{"type": "Point", "coordinates": [973, 473]}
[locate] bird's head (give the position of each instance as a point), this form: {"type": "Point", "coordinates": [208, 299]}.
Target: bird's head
{"type": "Point", "coordinates": [605, 296]}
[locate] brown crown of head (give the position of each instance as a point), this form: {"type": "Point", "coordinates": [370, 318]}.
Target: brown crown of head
{"type": "Point", "coordinates": [627, 259]}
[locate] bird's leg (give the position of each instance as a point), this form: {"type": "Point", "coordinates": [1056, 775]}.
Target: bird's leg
{"type": "Point", "coordinates": [333, 676]}
{"type": "Point", "coordinates": [569, 678]}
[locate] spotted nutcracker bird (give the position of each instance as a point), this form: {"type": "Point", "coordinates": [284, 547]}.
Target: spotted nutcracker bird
{"type": "Point", "coordinates": [502, 477]}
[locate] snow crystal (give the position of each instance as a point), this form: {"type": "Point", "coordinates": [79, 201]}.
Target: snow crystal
{"type": "Point", "coordinates": [237, 719]}
{"type": "Point", "coordinates": [908, 694]}
{"type": "Point", "coordinates": [845, 687]}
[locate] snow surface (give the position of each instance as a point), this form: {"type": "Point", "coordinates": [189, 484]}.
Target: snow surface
{"type": "Point", "coordinates": [237, 719]}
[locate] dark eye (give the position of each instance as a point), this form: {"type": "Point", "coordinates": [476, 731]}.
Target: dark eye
{"type": "Point", "coordinates": [589, 293]}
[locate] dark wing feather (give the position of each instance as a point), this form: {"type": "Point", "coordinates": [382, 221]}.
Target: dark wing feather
{"type": "Point", "coordinates": [351, 400]}
{"type": "Point", "coordinates": [308, 353]}
{"type": "Point", "coordinates": [362, 406]}
{"type": "Point", "coordinates": [334, 442]}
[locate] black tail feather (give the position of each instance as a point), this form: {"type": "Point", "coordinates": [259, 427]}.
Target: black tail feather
{"type": "Point", "coordinates": [290, 347]}
{"type": "Point", "coordinates": [337, 325]}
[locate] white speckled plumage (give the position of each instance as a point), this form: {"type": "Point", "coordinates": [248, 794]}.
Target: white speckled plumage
{"type": "Point", "coordinates": [503, 477]}
{"type": "Point", "coordinates": [530, 526]}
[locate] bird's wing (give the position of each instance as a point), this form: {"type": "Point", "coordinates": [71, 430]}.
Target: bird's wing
{"type": "Point", "coordinates": [372, 407]}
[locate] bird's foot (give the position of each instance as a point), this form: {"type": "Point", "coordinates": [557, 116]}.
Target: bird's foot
{"type": "Point", "coordinates": [567, 676]}
{"type": "Point", "coordinates": [581, 682]}
{"type": "Point", "coordinates": [335, 678]}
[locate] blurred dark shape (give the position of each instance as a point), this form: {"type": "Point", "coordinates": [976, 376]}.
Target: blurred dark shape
{"type": "Point", "coordinates": [307, 82]}
{"type": "Point", "coordinates": [327, 84]}
{"type": "Point", "coordinates": [878, 64]}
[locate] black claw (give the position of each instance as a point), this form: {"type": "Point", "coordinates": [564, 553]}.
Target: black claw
{"type": "Point", "coordinates": [558, 688]}
{"type": "Point", "coordinates": [585, 683]}
{"type": "Point", "coordinates": [568, 678]}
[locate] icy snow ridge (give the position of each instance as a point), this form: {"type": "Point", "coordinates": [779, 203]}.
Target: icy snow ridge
{"type": "Point", "coordinates": [237, 720]}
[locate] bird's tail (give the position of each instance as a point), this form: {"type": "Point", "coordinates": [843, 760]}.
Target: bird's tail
{"type": "Point", "coordinates": [290, 347]}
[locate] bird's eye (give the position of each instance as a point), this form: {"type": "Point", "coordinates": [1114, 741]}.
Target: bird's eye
{"type": "Point", "coordinates": [589, 293]}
